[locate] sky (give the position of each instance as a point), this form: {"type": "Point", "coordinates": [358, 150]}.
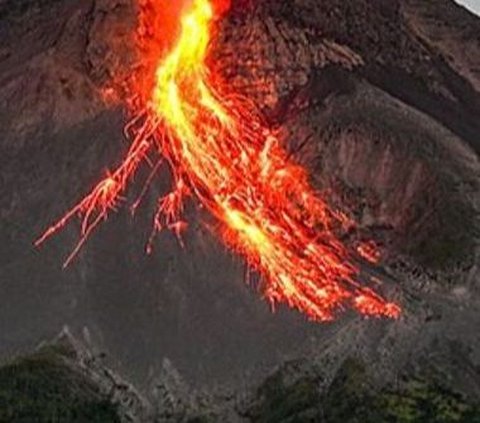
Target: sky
{"type": "Point", "coordinates": [473, 5]}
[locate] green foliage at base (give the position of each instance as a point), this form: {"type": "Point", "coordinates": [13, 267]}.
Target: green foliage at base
{"type": "Point", "coordinates": [351, 398]}
{"type": "Point", "coordinates": [288, 404]}
{"type": "Point", "coordinates": [282, 402]}
{"type": "Point", "coordinates": [42, 388]}
{"type": "Point", "coordinates": [449, 239]}
{"type": "Point", "coordinates": [420, 401]}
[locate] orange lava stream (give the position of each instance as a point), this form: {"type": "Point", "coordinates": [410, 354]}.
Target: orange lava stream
{"type": "Point", "coordinates": [222, 153]}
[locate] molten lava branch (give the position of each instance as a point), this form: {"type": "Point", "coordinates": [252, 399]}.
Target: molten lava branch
{"type": "Point", "coordinates": [220, 151]}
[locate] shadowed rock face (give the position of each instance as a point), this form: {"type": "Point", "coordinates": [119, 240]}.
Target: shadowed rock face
{"type": "Point", "coordinates": [375, 98]}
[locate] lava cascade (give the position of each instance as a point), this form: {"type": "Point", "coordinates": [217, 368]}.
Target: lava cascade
{"type": "Point", "coordinates": [222, 153]}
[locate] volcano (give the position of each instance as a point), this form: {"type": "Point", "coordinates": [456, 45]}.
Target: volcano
{"type": "Point", "coordinates": [378, 101]}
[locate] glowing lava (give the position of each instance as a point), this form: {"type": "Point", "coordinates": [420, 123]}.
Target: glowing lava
{"type": "Point", "coordinates": [222, 153]}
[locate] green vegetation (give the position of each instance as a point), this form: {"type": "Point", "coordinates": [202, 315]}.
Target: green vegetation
{"type": "Point", "coordinates": [283, 403]}
{"type": "Point", "coordinates": [420, 401]}
{"type": "Point", "coordinates": [351, 398]}
{"type": "Point", "coordinates": [449, 238]}
{"type": "Point", "coordinates": [43, 388]}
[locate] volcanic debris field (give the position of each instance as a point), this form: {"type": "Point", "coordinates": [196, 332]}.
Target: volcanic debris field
{"type": "Point", "coordinates": [378, 99]}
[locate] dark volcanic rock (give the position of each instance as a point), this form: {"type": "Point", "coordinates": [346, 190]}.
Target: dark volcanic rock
{"type": "Point", "coordinates": [379, 98]}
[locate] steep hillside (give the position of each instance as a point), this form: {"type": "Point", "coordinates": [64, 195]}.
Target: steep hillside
{"type": "Point", "coordinates": [380, 99]}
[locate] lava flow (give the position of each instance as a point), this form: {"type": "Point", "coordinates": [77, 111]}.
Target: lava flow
{"type": "Point", "coordinates": [221, 153]}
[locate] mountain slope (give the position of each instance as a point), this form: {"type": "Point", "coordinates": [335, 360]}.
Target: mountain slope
{"type": "Point", "coordinates": [375, 97]}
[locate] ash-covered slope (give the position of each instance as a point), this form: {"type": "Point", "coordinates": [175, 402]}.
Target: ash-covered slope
{"type": "Point", "coordinates": [377, 97]}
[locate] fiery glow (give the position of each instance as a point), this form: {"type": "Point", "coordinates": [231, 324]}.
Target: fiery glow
{"type": "Point", "coordinates": [221, 153]}
{"type": "Point", "coordinates": [369, 251]}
